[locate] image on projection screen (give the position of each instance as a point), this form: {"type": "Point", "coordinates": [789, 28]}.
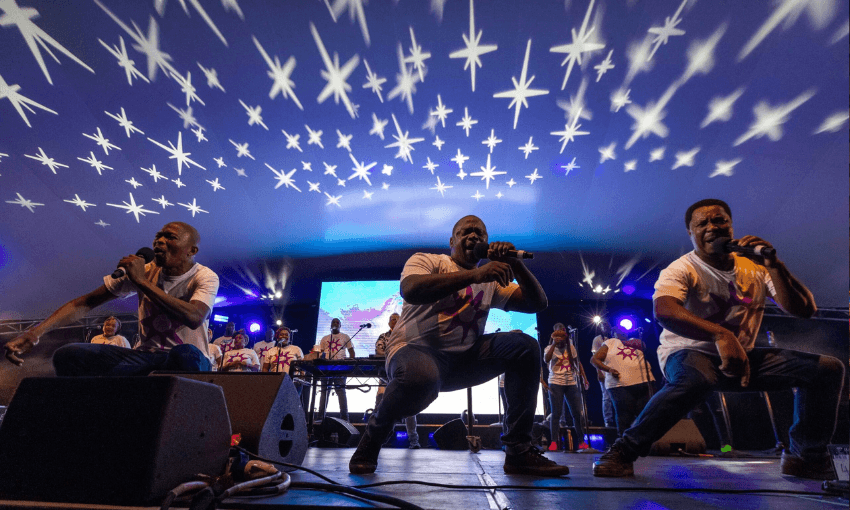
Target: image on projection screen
{"type": "Point", "coordinates": [356, 303]}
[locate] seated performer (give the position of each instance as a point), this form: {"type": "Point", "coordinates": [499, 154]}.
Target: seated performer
{"type": "Point", "coordinates": [627, 376]}
{"type": "Point", "coordinates": [563, 386]}
{"type": "Point", "coordinates": [335, 346]}
{"type": "Point", "coordinates": [175, 298]}
{"type": "Point", "coordinates": [225, 342]}
{"type": "Point", "coordinates": [381, 350]}
{"type": "Point", "coordinates": [240, 358]}
{"type": "Point", "coordinates": [110, 336]}
{"type": "Point", "coordinates": [607, 405]}
{"type": "Point", "coordinates": [277, 359]}
{"type": "Point", "coordinates": [438, 346]}
{"type": "Point", "coordinates": [711, 303]}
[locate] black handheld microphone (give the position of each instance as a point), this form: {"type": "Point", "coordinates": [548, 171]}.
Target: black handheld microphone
{"type": "Point", "coordinates": [146, 253]}
{"type": "Point", "coordinates": [481, 249]}
{"type": "Point", "coordinates": [367, 325]}
{"type": "Point", "coordinates": [752, 251]}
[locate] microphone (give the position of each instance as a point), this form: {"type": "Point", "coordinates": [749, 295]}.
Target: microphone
{"type": "Point", "coordinates": [481, 249]}
{"type": "Point", "coordinates": [758, 251]}
{"type": "Point", "coordinates": [293, 331]}
{"type": "Point", "coordinates": [146, 253]}
{"type": "Point", "coordinates": [367, 325]}
{"type": "Point", "coordinates": [571, 329]}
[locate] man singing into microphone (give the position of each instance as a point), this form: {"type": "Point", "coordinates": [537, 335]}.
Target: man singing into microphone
{"type": "Point", "coordinates": [710, 303]}
{"type": "Point", "coordinates": [175, 298]}
{"type": "Point", "coordinates": [438, 344]}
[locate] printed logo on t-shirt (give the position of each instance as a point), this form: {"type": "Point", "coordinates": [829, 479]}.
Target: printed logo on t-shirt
{"type": "Point", "coordinates": [732, 308]}
{"type": "Point", "coordinates": [563, 362]}
{"type": "Point", "coordinates": [262, 352]}
{"type": "Point", "coordinates": [160, 329]}
{"type": "Point", "coordinates": [627, 352]}
{"type": "Point", "coordinates": [284, 359]}
{"type": "Point", "coordinates": [463, 304]}
{"type": "Point", "coordinates": [239, 357]}
{"type": "Point", "coordinates": [334, 346]}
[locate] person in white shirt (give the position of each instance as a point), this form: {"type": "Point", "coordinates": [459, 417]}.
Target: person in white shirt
{"type": "Point", "coordinates": [262, 347]}
{"type": "Point", "coordinates": [562, 357]}
{"type": "Point", "coordinates": [240, 358]}
{"type": "Point", "coordinates": [278, 359]}
{"type": "Point", "coordinates": [335, 346]}
{"type": "Point", "coordinates": [110, 336]}
{"type": "Point", "coordinates": [711, 302]}
{"type": "Point", "coordinates": [225, 342]}
{"type": "Point", "coordinates": [215, 353]}
{"type": "Point", "coordinates": [607, 406]}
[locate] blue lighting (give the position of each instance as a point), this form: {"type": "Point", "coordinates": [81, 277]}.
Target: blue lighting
{"type": "Point", "coordinates": [401, 436]}
{"type": "Point", "coordinates": [220, 318]}
{"type": "Point", "coordinates": [626, 324]}
{"type": "Point", "coordinates": [628, 289]}
{"type": "Point", "coordinates": [648, 321]}
{"type": "Point", "coordinates": [254, 327]}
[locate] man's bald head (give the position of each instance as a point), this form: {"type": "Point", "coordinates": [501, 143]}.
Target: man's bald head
{"type": "Point", "coordinates": [194, 236]}
{"type": "Point", "coordinates": [465, 218]}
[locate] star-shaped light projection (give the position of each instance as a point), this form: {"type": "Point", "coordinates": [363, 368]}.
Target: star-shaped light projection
{"type": "Point", "coordinates": [685, 158]}
{"type": "Point", "coordinates": [101, 223]}
{"type": "Point", "coordinates": [334, 199]}
{"type": "Point", "coordinates": [724, 168]}
{"type": "Point", "coordinates": [361, 169]}
{"type": "Point", "coordinates": [314, 137]}
{"type": "Point", "coordinates": [404, 144]}
{"type": "Point", "coordinates": [385, 186]}
{"type": "Point", "coordinates": [21, 18]}
{"type": "Point", "coordinates": [242, 149]}
{"type": "Point", "coordinates": [199, 134]}
{"type": "Point", "coordinates": [438, 143]}
{"type": "Point", "coordinates": [533, 176]}
{"type": "Point", "coordinates": [133, 208]}
{"type": "Point", "coordinates": [355, 9]}
{"type": "Point", "coordinates": [124, 61]}
{"type": "Point", "coordinates": [340, 182]}
{"type": "Point", "coordinates": [178, 183]}
{"type": "Point", "coordinates": [417, 57]}
{"type": "Point", "coordinates": [604, 66]}
{"type": "Point", "coordinates": [305, 165]}
{"type": "Point", "coordinates": [44, 160]}
{"type": "Point", "coordinates": [240, 172]}
{"type": "Point", "coordinates": [520, 94]}
{"type": "Point", "coordinates": [97, 165]}
{"type": "Point", "coordinates": [467, 122]}
{"type": "Point", "coordinates": [570, 132]}
{"type": "Point", "coordinates": [769, 120]}
{"type": "Point", "coordinates": [786, 13]}
{"type": "Point", "coordinates": [580, 44]}
{"type": "Point", "coordinates": [103, 142]}
{"type": "Point", "coordinates": [314, 186]}
{"type": "Point", "coordinates": [430, 166]}
{"type": "Point", "coordinates": [832, 123]}
{"type": "Point", "coordinates": [125, 123]}
{"type": "Point", "coordinates": [511, 183]}
{"type": "Point", "coordinates": [373, 81]}
{"type": "Point", "coordinates": [569, 167]}
{"type": "Point", "coordinates": [23, 202]}
{"type": "Point", "coordinates": [430, 124]}
{"type": "Point", "coordinates": [647, 120]}
{"type": "Point", "coordinates": [147, 45]}
{"type": "Point", "coordinates": [441, 112]}
{"type": "Point", "coordinates": [487, 173]}
{"type": "Point", "coordinates": [405, 82]}
{"type": "Point", "coordinates": [477, 196]}
{"type": "Point", "coordinates": [215, 184]}
{"type": "Point", "coordinates": [474, 49]}
{"type": "Point", "coordinates": [335, 75]}
{"type": "Point", "coordinates": [461, 174]}
{"type": "Point", "coordinates": [329, 169]}
{"type": "Point", "coordinates": [387, 170]}
{"type": "Point", "coordinates": [720, 108]}
{"type": "Point", "coordinates": [163, 201]}
{"type": "Point", "coordinates": [280, 75]}
{"type": "Point", "coordinates": [491, 141]}
{"type": "Point", "coordinates": [656, 154]}
{"type": "Point", "coordinates": [292, 141]}
{"type": "Point", "coordinates": [212, 77]}
{"type": "Point", "coordinates": [227, 4]}
{"type": "Point", "coordinates": [441, 187]}
{"type": "Point", "coordinates": [185, 115]}
{"type": "Point", "coordinates": [630, 166]}
{"type": "Point", "coordinates": [576, 106]}
{"type": "Point", "coordinates": [187, 88]}
{"type": "Point", "coordinates": [619, 99]}
{"type": "Point", "coordinates": [499, 195]}
{"type": "Point", "coordinates": [254, 116]}
{"type": "Point", "coordinates": [663, 34]}
{"type": "Point", "coordinates": [343, 141]}
{"type": "Point", "coordinates": [460, 159]}
{"type": "Point", "coordinates": [193, 207]}
{"type": "Point", "coordinates": [607, 153]}
{"type": "Point", "coordinates": [20, 102]}
{"type": "Point", "coordinates": [133, 182]}
{"type": "Point", "coordinates": [378, 126]}
{"type": "Point", "coordinates": [153, 172]}
{"type": "Point", "coordinates": [178, 154]}
{"type": "Point", "coordinates": [284, 179]}
{"type": "Point", "coordinates": [527, 148]}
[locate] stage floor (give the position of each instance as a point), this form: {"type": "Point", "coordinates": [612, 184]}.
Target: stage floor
{"type": "Point", "coordinates": [579, 489]}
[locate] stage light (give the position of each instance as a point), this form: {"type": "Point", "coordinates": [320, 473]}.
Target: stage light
{"type": "Point", "coordinates": [220, 318]}
{"type": "Point", "coordinates": [278, 294]}
{"type": "Point", "coordinates": [597, 319]}
{"type": "Point", "coordinates": [647, 320]}
{"type": "Point", "coordinates": [279, 322]}
{"type": "Point", "coordinates": [626, 324]}
{"type": "Point", "coordinates": [254, 327]}
{"type": "Point", "coordinates": [628, 289]}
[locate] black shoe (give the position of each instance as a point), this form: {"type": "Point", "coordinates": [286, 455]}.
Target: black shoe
{"type": "Point", "coordinates": [365, 458]}
{"type": "Point", "coordinates": [614, 463]}
{"type": "Point", "coordinates": [813, 470]}
{"type": "Point", "coordinates": [533, 462]}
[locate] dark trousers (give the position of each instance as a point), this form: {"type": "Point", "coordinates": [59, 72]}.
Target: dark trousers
{"type": "Point", "coordinates": [557, 394]}
{"type": "Point", "coordinates": [338, 384]}
{"type": "Point", "coordinates": [418, 374]}
{"type": "Point", "coordinates": [101, 359]}
{"type": "Point", "coordinates": [693, 375]}
{"type": "Point", "coordinates": [628, 402]}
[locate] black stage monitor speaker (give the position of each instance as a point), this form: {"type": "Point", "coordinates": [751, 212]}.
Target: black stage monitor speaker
{"type": "Point", "coordinates": [346, 435]}
{"type": "Point", "coordinates": [110, 440]}
{"type": "Point", "coordinates": [265, 409]}
{"type": "Point", "coordinates": [452, 436]}
{"type": "Point", "coordinates": [684, 435]}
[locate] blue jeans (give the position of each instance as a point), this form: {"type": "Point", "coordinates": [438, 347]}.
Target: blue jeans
{"type": "Point", "coordinates": [607, 406]}
{"type": "Point", "coordinates": [628, 402]}
{"type": "Point", "coordinates": [418, 374]}
{"type": "Point", "coordinates": [101, 359]}
{"type": "Point", "coordinates": [692, 376]}
{"type": "Point", "coordinates": [557, 394]}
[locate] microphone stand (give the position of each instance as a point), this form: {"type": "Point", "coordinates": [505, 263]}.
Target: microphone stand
{"type": "Point", "coordinates": [577, 375]}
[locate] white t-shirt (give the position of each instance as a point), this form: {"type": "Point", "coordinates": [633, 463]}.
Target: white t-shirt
{"type": "Point", "coordinates": [559, 366]}
{"type": "Point", "coordinates": [157, 330]}
{"type": "Point", "coordinates": [598, 340]}
{"type": "Point", "coordinates": [247, 355]}
{"type": "Point", "coordinates": [262, 347]}
{"type": "Point", "coordinates": [336, 345]}
{"type": "Point", "coordinates": [225, 342]}
{"type": "Point", "coordinates": [381, 344]}
{"type": "Point", "coordinates": [627, 359]}
{"type": "Point", "coordinates": [116, 340]}
{"type": "Point", "coordinates": [215, 353]}
{"type": "Point", "coordinates": [453, 323]}
{"type": "Point", "coordinates": [287, 355]}
{"type": "Point", "coordinates": [733, 299]}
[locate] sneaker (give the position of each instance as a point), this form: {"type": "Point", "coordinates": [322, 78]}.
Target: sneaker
{"type": "Point", "coordinates": [553, 446]}
{"type": "Point", "coordinates": [365, 458]}
{"type": "Point", "coordinates": [533, 462]}
{"type": "Point", "coordinates": [614, 463]}
{"type": "Point", "coordinates": [794, 465]}
{"type": "Point", "coordinates": [414, 446]}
